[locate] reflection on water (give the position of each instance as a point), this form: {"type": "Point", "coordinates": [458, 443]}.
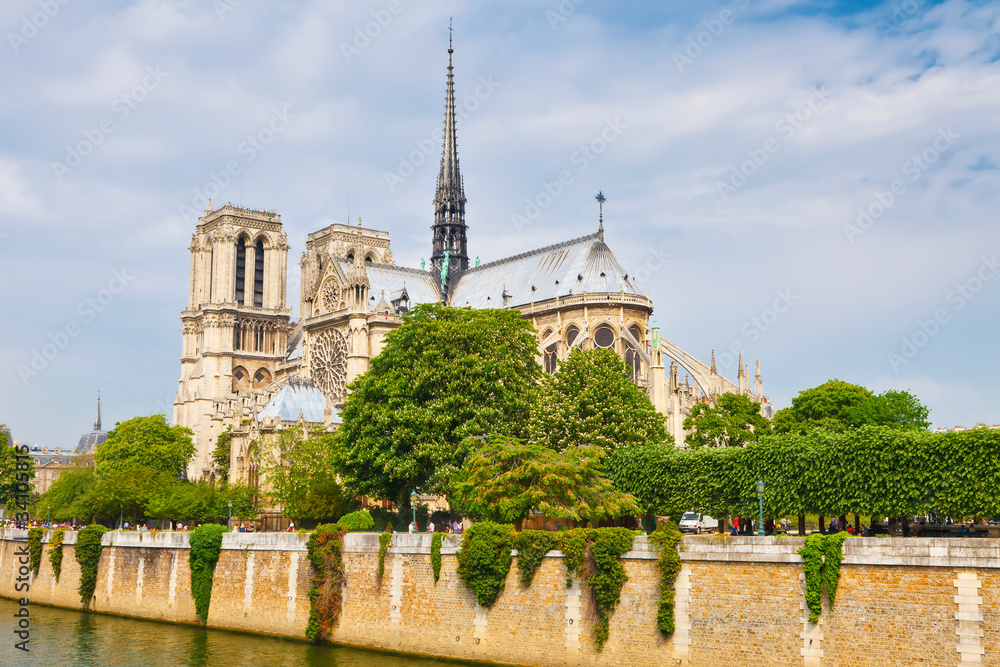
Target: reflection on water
{"type": "Point", "coordinates": [61, 637]}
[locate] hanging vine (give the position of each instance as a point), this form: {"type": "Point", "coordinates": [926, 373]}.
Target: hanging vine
{"type": "Point", "coordinates": [56, 551]}
{"type": "Point", "coordinates": [436, 555]}
{"type": "Point", "coordinates": [35, 549]}
{"type": "Point", "coordinates": [532, 545]}
{"type": "Point", "coordinates": [325, 550]}
{"type": "Point", "coordinates": [607, 546]}
{"type": "Point", "coordinates": [384, 542]}
{"type": "Point", "coordinates": [205, 542]}
{"type": "Point", "coordinates": [821, 556]}
{"type": "Point", "coordinates": [88, 555]}
{"type": "Point", "coordinates": [665, 539]}
{"type": "Point", "coordinates": [484, 561]}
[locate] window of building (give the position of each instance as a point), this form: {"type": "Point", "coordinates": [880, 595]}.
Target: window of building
{"type": "Point", "coordinates": [571, 335]}
{"type": "Point", "coordinates": [241, 268]}
{"type": "Point", "coordinates": [549, 360]}
{"type": "Point", "coordinates": [604, 336]}
{"type": "Point", "coordinates": [258, 275]}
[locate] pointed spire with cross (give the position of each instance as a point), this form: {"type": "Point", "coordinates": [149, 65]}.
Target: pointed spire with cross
{"type": "Point", "coordinates": [600, 202]}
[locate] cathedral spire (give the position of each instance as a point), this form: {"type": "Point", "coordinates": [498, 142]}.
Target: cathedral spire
{"type": "Point", "coordinates": [97, 422]}
{"type": "Point", "coordinates": [449, 200]}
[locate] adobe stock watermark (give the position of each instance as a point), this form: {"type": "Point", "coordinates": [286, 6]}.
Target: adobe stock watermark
{"type": "Point", "coordinates": [562, 12]}
{"type": "Point", "coordinates": [34, 23]}
{"type": "Point", "coordinates": [655, 261]}
{"type": "Point", "coordinates": [121, 108]}
{"type": "Point", "coordinates": [250, 148]}
{"type": "Point", "coordinates": [703, 39]}
{"type": "Point", "coordinates": [956, 298]}
{"type": "Point", "coordinates": [581, 159]}
{"type": "Point", "coordinates": [914, 168]}
{"type": "Point", "coordinates": [754, 327]}
{"type": "Point", "coordinates": [363, 35]}
{"type": "Point", "coordinates": [786, 127]}
{"type": "Point", "coordinates": [901, 13]}
{"type": "Point", "coordinates": [224, 7]}
{"type": "Point", "coordinates": [87, 311]}
{"type": "Point", "coordinates": [428, 146]}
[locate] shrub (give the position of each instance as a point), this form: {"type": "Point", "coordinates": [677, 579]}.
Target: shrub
{"type": "Point", "coordinates": [484, 560]}
{"type": "Point", "coordinates": [206, 542]}
{"type": "Point", "coordinates": [88, 555]}
{"type": "Point", "coordinates": [325, 547]}
{"type": "Point", "coordinates": [356, 521]}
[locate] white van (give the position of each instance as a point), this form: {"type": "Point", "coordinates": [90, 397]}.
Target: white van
{"type": "Point", "coordinates": [692, 522]}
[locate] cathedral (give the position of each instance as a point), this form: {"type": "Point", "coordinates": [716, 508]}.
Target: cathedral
{"type": "Point", "coordinates": [247, 367]}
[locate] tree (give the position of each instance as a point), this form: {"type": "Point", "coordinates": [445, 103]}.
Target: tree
{"type": "Point", "coordinates": [13, 471]}
{"type": "Point", "coordinates": [734, 421]}
{"type": "Point", "coordinates": [222, 454]}
{"type": "Point", "coordinates": [897, 409]}
{"type": "Point", "coordinates": [73, 483]}
{"type": "Point", "coordinates": [302, 477]}
{"type": "Point", "coordinates": [446, 374]}
{"type": "Point", "coordinates": [591, 400]}
{"type": "Point", "coordinates": [829, 406]}
{"type": "Point", "coordinates": [124, 492]}
{"type": "Point", "coordinates": [148, 443]}
{"type": "Point", "coordinates": [504, 479]}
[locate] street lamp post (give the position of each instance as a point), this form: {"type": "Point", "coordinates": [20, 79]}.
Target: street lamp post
{"type": "Point", "coordinates": [48, 511]}
{"type": "Point", "coordinates": [121, 516]}
{"type": "Point", "coordinates": [760, 505]}
{"type": "Point", "coordinates": [413, 505]}
{"type": "Point", "coordinates": [230, 503]}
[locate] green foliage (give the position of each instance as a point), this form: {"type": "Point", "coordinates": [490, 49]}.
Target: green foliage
{"type": "Point", "coordinates": [205, 541]}
{"type": "Point", "coordinates": [121, 492]}
{"type": "Point", "coordinates": [871, 470]}
{"type": "Point", "coordinates": [302, 476]}
{"type": "Point", "coordinates": [836, 406]}
{"type": "Point", "coordinates": [821, 557]}
{"type": "Point", "coordinates": [666, 539]}
{"type": "Point", "coordinates": [146, 443]}
{"type": "Point", "coordinates": [574, 548]}
{"type": "Point", "coordinates": [606, 548]}
{"type": "Point", "coordinates": [733, 422]}
{"type": "Point", "coordinates": [436, 555]}
{"type": "Point", "coordinates": [532, 545]}
{"type": "Point", "coordinates": [384, 542]}
{"type": "Point", "coordinates": [484, 560]}
{"type": "Point", "coordinates": [504, 479]}
{"type": "Point", "coordinates": [222, 454]}
{"type": "Point", "coordinates": [72, 484]}
{"type": "Point", "coordinates": [88, 555]}
{"type": "Point", "coordinates": [356, 521]}
{"type": "Point", "coordinates": [56, 551]}
{"type": "Point", "coordinates": [591, 400]}
{"type": "Point", "coordinates": [325, 550]}
{"type": "Point", "coordinates": [445, 375]}
{"type": "Point", "coordinates": [898, 409]}
{"type": "Point", "coordinates": [13, 471]}
{"type": "Point", "coordinates": [35, 549]}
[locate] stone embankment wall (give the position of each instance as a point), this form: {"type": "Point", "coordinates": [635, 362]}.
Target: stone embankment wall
{"type": "Point", "coordinates": [739, 601]}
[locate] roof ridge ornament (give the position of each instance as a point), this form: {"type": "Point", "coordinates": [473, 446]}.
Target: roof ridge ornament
{"type": "Point", "coordinates": [600, 202]}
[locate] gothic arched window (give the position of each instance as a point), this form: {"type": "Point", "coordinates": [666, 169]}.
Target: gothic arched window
{"type": "Point", "coordinates": [549, 360]}
{"type": "Point", "coordinates": [604, 337]}
{"type": "Point", "coordinates": [258, 274]}
{"type": "Point", "coordinates": [571, 335]}
{"type": "Point", "coordinates": [241, 268]}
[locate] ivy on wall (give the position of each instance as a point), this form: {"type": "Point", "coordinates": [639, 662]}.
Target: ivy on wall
{"type": "Point", "coordinates": [821, 556]}
{"type": "Point", "coordinates": [206, 542]}
{"type": "Point", "coordinates": [436, 555]}
{"type": "Point", "coordinates": [532, 545]}
{"type": "Point", "coordinates": [606, 546]}
{"type": "Point", "coordinates": [35, 549]}
{"type": "Point", "coordinates": [325, 551]}
{"type": "Point", "coordinates": [88, 555]}
{"type": "Point", "coordinates": [56, 551]}
{"type": "Point", "coordinates": [665, 540]}
{"type": "Point", "coordinates": [384, 542]}
{"type": "Point", "coordinates": [484, 560]}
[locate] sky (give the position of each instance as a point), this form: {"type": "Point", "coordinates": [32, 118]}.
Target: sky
{"type": "Point", "coordinates": [810, 184]}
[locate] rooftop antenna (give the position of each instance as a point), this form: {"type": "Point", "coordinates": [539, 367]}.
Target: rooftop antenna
{"type": "Point", "coordinates": [600, 202]}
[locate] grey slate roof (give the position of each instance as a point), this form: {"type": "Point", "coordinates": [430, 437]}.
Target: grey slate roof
{"type": "Point", "coordinates": [580, 266]}
{"type": "Point", "coordinates": [297, 397]}
{"type": "Point", "coordinates": [89, 441]}
{"type": "Point", "coordinates": [420, 285]}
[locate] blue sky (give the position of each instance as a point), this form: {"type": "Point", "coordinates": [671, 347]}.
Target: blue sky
{"type": "Point", "coordinates": [834, 161]}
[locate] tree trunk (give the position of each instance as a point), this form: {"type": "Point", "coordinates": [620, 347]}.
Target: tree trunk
{"type": "Point", "coordinates": [518, 525]}
{"type": "Point", "coordinates": [802, 525]}
{"type": "Point", "coordinates": [892, 526]}
{"type": "Point", "coordinates": [857, 524]}
{"type": "Point", "coordinates": [843, 522]}
{"type": "Point", "coordinates": [822, 523]}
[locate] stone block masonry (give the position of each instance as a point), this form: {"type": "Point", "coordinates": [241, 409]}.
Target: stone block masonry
{"type": "Point", "coordinates": [738, 601]}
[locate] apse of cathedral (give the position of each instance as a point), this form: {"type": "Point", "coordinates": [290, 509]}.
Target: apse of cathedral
{"type": "Point", "coordinates": [246, 367]}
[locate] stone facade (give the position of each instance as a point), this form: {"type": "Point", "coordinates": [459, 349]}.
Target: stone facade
{"type": "Point", "coordinates": [738, 601]}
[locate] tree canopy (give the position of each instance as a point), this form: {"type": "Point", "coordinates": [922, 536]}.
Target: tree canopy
{"type": "Point", "coordinates": [12, 471]}
{"type": "Point", "coordinates": [733, 422]}
{"type": "Point", "coordinates": [836, 406]}
{"type": "Point", "coordinates": [504, 479]}
{"type": "Point", "coordinates": [591, 400]}
{"type": "Point", "coordinates": [302, 477]}
{"type": "Point", "coordinates": [444, 375]}
{"type": "Point", "coordinates": [149, 443]}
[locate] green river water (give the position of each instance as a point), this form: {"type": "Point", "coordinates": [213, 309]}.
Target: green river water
{"type": "Point", "coordinates": [60, 637]}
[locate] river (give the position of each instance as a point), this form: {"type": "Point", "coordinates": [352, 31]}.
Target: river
{"type": "Point", "coordinates": [60, 637]}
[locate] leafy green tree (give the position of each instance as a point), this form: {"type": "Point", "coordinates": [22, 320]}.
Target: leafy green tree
{"type": "Point", "coordinates": [830, 406]}
{"type": "Point", "coordinates": [13, 471]}
{"type": "Point", "coordinates": [124, 492]}
{"type": "Point", "coordinates": [591, 400]}
{"type": "Point", "coordinates": [733, 422]}
{"type": "Point", "coordinates": [147, 443]}
{"type": "Point", "coordinates": [446, 374]}
{"type": "Point", "coordinates": [301, 475]}
{"type": "Point", "coordinates": [222, 454]}
{"type": "Point", "coordinates": [504, 479]}
{"type": "Point", "coordinates": [897, 409]}
{"type": "Point", "coordinates": [73, 483]}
